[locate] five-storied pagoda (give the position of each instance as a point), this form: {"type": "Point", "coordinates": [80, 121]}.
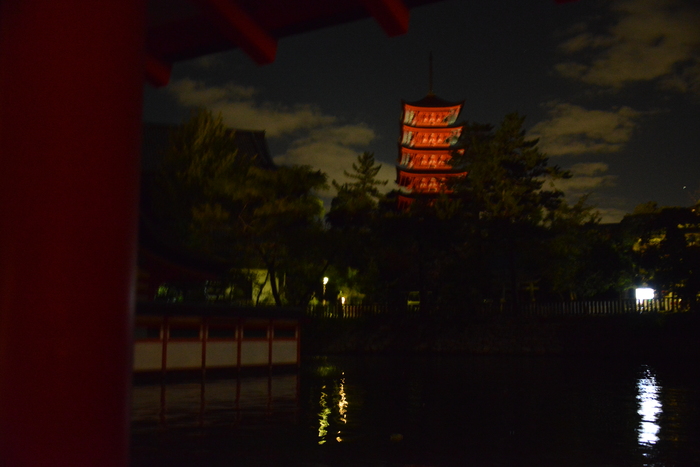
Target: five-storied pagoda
{"type": "Point", "coordinates": [429, 133]}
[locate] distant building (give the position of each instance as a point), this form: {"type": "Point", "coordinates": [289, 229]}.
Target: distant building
{"type": "Point", "coordinates": [156, 137]}
{"type": "Point", "coordinates": [429, 133]}
{"type": "Point", "coordinates": [169, 271]}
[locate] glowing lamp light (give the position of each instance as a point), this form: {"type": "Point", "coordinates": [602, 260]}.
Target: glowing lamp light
{"type": "Point", "coordinates": [325, 281]}
{"type": "Point", "coordinates": [644, 293]}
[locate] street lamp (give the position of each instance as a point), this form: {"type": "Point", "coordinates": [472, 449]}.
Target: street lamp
{"type": "Point", "coordinates": [325, 281]}
{"type": "Point", "coordinates": [644, 293]}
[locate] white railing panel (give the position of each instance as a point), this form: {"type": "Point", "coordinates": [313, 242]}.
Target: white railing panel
{"type": "Point", "coordinates": [222, 354]}
{"type": "Point", "coordinates": [183, 355]}
{"type": "Point", "coordinates": [148, 356]}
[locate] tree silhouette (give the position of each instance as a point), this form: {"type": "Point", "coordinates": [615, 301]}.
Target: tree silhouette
{"type": "Point", "coordinates": [226, 207]}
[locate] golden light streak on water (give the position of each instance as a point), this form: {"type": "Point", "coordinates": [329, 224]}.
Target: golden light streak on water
{"type": "Point", "coordinates": [323, 420]}
{"type": "Point", "coordinates": [343, 402]}
{"type": "Point", "coordinates": [337, 397]}
{"type": "Point", "coordinates": [649, 408]}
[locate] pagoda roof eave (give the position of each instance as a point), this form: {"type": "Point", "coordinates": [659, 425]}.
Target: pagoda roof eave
{"type": "Point", "coordinates": [414, 196]}
{"type": "Point", "coordinates": [431, 172]}
{"type": "Point", "coordinates": [431, 100]}
{"type": "Point", "coordinates": [429, 149]}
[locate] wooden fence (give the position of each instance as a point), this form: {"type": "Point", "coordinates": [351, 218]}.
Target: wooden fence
{"type": "Point", "coordinates": [574, 308]}
{"type": "Point", "coordinates": [613, 307]}
{"type": "Point", "coordinates": [346, 311]}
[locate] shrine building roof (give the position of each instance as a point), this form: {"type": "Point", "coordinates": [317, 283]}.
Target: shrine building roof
{"type": "Point", "coordinates": [251, 144]}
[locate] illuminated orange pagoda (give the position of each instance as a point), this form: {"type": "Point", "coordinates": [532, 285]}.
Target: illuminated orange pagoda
{"type": "Point", "coordinates": [428, 135]}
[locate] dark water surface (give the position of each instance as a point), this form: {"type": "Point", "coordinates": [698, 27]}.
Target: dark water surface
{"type": "Point", "coordinates": [436, 411]}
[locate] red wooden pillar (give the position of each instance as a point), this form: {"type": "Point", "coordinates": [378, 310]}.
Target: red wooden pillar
{"type": "Point", "coordinates": [71, 76]}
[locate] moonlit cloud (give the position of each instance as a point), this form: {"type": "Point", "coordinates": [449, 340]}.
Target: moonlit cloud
{"type": "Point", "coordinates": [609, 215]}
{"type": "Point", "coordinates": [240, 110]}
{"type": "Point", "coordinates": [317, 140]}
{"type": "Point", "coordinates": [207, 62]}
{"type": "Point", "coordinates": [651, 40]}
{"type": "Point", "coordinates": [332, 149]}
{"type": "Point", "coordinates": [588, 177]}
{"type": "Point", "coordinates": [687, 80]}
{"type": "Point", "coordinates": [195, 93]}
{"type": "Point", "coordinates": [573, 130]}
{"type": "Point", "coordinates": [585, 40]}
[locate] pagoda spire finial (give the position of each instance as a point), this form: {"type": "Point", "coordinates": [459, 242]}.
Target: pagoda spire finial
{"type": "Point", "coordinates": [430, 73]}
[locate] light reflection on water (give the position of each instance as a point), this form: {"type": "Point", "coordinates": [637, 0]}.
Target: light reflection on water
{"type": "Point", "coordinates": [323, 420]}
{"type": "Point", "coordinates": [650, 408]}
{"type": "Point", "coordinates": [326, 413]}
{"type": "Point", "coordinates": [371, 412]}
{"type": "Point", "coordinates": [343, 402]}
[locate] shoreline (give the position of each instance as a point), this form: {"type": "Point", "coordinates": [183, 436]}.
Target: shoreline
{"type": "Point", "coordinates": [672, 334]}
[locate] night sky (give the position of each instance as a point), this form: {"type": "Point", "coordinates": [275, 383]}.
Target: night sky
{"type": "Point", "coordinates": [611, 88]}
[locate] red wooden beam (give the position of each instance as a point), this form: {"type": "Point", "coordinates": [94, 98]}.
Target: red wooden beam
{"type": "Point", "coordinates": [71, 84]}
{"type": "Point", "coordinates": [241, 29]}
{"type": "Point", "coordinates": [157, 71]}
{"type": "Point", "coordinates": [392, 15]}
